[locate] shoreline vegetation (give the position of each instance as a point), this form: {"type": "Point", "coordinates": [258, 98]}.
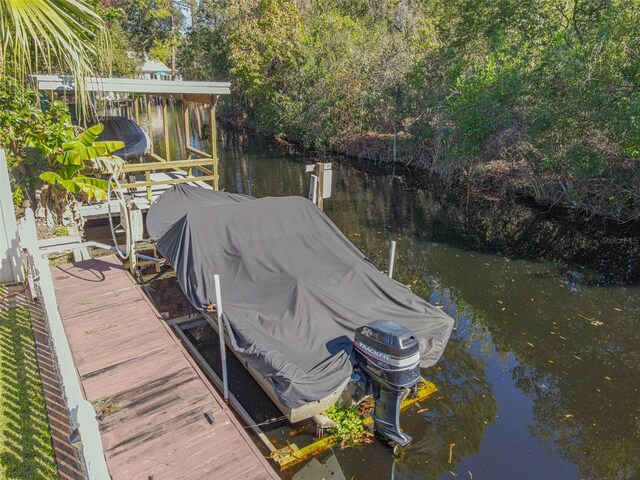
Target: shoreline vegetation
{"type": "Point", "coordinates": [538, 100]}
{"type": "Point", "coordinates": [532, 102]}
{"type": "Point", "coordinates": [592, 249]}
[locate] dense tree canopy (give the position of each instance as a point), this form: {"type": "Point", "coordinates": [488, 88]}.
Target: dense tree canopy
{"type": "Point", "coordinates": [541, 96]}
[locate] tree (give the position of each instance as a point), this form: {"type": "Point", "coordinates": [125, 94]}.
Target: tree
{"type": "Point", "coordinates": [153, 28]}
{"type": "Point", "coordinates": [121, 62]}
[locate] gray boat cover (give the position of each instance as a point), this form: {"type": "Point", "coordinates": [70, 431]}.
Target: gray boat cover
{"type": "Point", "coordinates": [294, 288]}
{"type": "Point", "coordinates": [136, 141]}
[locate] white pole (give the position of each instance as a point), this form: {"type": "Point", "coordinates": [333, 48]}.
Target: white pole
{"type": "Point", "coordinates": [392, 257]}
{"type": "Point", "coordinates": [223, 353]}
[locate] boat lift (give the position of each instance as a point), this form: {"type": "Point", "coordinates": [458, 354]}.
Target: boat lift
{"type": "Point", "coordinates": [155, 173]}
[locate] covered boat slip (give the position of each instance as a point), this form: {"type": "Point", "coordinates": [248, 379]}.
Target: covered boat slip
{"type": "Point", "coordinates": [293, 288]}
{"type": "Point", "coordinates": [153, 173]}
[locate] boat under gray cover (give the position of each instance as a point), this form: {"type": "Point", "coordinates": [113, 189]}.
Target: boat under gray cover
{"type": "Point", "coordinates": [294, 288]}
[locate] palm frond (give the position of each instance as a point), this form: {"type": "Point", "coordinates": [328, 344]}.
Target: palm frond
{"type": "Point", "coordinates": [37, 35]}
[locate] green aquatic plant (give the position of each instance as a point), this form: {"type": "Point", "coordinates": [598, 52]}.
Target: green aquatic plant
{"type": "Point", "coordinates": [347, 424]}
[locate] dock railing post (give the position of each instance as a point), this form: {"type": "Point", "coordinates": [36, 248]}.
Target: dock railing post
{"type": "Point", "coordinates": [165, 127]}
{"type": "Point", "coordinates": [319, 171]}
{"type": "Point", "coordinates": [214, 141]}
{"type": "Point", "coordinates": [223, 353]}
{"type": "Point", "coordinates": [392, 257]}
{"type": "Point", "coordinates": [149, 124]}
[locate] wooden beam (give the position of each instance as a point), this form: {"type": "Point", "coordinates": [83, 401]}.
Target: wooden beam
{"type": "Point", "coordinates": [319, 171]}
{"type": "Point", "coordinates": [159, 166]}
{"type": "Point", "coordinates": [165, 126]}
{"type": "Point", "coordinates": [171, 181]}
{"type": "Point", "coordinates": [149, 125]}
{"type": "Point", "coordinates": [136, 109]}
{"type": "Point", "coordinates": [214, 140]}
{"type": "Point", "coordinates": [200, 153]}
{"type": "Point", "coordinates": [156, 157]}
{"type": "Point", "coordinates": [147, 177]}
{"type": "Point", "coordinates": [186, 112]}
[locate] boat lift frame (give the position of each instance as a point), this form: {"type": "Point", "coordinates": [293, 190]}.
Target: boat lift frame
{"type": "Point", "coordinates": [291, 454]}
{"type": "Point", "coordinates": [199, 93]}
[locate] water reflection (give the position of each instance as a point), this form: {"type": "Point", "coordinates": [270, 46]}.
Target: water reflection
{"type": "Point", "coordinates": [540, 379]}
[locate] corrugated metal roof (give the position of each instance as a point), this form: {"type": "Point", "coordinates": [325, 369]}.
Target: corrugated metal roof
{"type": "Point", "coordinates": [196, 91]}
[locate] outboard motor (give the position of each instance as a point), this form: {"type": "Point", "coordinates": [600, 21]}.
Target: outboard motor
{"type": "Point", "coordinates": [389, 355]}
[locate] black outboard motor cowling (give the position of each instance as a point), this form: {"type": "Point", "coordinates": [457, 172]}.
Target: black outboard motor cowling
{"type": "Point", "coordinates": [389, 355]}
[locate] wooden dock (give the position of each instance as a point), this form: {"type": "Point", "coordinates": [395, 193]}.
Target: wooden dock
{"type": "Point", "coordinates": [151, 394]}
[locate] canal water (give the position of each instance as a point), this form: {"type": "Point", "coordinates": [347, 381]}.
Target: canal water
{"type": "Point", "coordinates": [541, 377]}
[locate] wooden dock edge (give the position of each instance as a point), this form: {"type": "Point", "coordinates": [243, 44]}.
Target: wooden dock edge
{"type": "Point", "coordinates": [225, 407]}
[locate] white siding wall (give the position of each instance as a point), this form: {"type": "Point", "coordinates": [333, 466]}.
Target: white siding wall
{"type": "Point", "coordinates": [11, 262]}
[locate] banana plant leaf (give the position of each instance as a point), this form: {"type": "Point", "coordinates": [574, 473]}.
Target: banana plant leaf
{"type": "Point", "coordinates": [81, 153]}
{"type": "Point", "coordinates": [91, 187]}
{"type": "Point", "coordinates": [85, 139]}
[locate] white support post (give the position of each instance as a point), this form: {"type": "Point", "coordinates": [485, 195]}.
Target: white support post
{"type": "Point", "coordinates": [223, 352]}
{"type": "Point", "coordinates": [392, 258]}
{"type": "Point", "coordinates": [11, 270]}
{"type": "Point", "coordinates": [313, 189]}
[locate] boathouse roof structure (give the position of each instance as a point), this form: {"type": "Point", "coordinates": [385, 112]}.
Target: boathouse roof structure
{"type": "Point", "coordinates": [191, 91]}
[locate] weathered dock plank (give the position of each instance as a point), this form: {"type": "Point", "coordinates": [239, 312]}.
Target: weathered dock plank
{"type": "Point", "coordinates": [152, 396]}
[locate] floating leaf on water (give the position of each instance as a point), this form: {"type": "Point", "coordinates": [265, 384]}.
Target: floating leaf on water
{"type": "Point", "coordinates": [487, 264]}
{"type": "Point", "coordinates": [617, 309]}
{"type": "Point", "coordinates": [562, 337]}
{"type": "Point", "coordinates": [500, 302]}
{"type": "Point", "coordinates": [551, 361]}
{"type": "Point", "coordinates": [530, 344]}
{"type": "Point", "coordinates": [568, 415]}
{"type": "Point", "coordinates": [422, 410]}
{"type": "Point", "coordinates": [608, 379]}
{"type": "Point", "coordinates": [504, 308]}
{"type": "Point", "coordinates": [577, 357]}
